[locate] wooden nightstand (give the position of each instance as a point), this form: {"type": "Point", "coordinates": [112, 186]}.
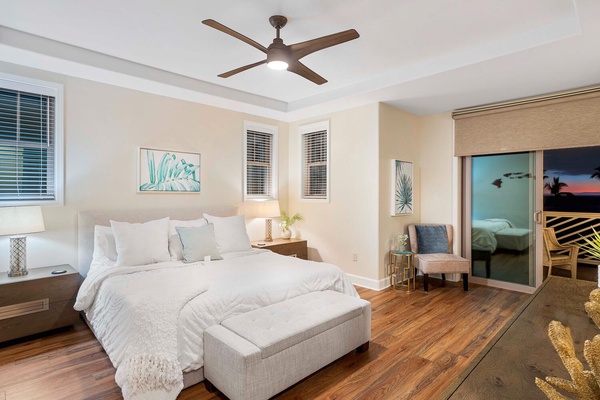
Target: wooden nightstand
{"type": "Point", "coordinates": [287, 247]}
{"type": "Point", "coordinates": [38, 301]}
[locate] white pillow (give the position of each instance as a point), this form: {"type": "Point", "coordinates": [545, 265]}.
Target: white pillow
{"type": "Point", "coordinates": [230, 233]}
{"type": "Point", "coordinates": [175, 247]}
{"type": "Point", "coordinates": [104, 243]}
{"type": "Point", "coordinates": [141, 244]}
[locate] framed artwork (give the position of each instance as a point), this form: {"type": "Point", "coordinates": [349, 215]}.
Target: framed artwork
{"type": "Point", "coordinates": [168, 171]}
{"type": "Point", "coordinates": [402, 188]}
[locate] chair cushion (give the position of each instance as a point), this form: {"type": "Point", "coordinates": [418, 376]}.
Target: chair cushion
{"type": "Point", "coordinates": [442, 263]}
{"type": "Point", "coordinates": [432, 239]}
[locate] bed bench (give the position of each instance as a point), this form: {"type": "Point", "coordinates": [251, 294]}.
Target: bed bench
{"type": "Point", "coordinates": [260, 353]}
{"type": "Point", "coordinates": [517, 239]}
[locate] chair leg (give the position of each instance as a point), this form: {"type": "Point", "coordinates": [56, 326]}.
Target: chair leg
{"type": "Point", "coordinates": [443, 277]}
{"type": "Point", "coordinates": [465, 282]}
{"type": "Point", "coordinates": [574, 271]}
{"type": "Point", "coordinates": [426, 282]}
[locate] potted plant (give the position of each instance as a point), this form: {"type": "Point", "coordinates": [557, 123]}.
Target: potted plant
{"type": "Point", "coordinates": [286, 222]}
{"type": "Point", "coordinates": [593, 245]}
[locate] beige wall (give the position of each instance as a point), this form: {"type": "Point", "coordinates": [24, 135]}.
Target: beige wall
{"type": "Point", "coordinates": [104, 125]}
{"type": "Point", "coordinates": [398, 140]}
{"type": "Point", "coordinates": [347, 224]}
{"type": "Point", "coordinates": [437, 165]}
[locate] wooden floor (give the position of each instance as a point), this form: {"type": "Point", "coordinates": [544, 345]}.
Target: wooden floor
{"type": "Point", "coordinates": [420, 343]}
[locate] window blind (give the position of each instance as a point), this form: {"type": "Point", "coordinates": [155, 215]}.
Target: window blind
{"type": "Point", "coordinates": [27, 146]}
{"type": "Point", "coordinates": [314, 182]}
{"type": "Point", "coordinates": [259, 164]}
{"type": "Point", "coordinates": [556, 121]}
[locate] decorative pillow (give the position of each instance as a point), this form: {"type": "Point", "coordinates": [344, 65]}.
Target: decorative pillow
{"type": "Point", "coordinates": [140, 244]}
{"type": "Point", "coordinates": [175, 247]}
{"type": "Point", "coordinates": [230, 233]}
{"type": "Point", "coordinates": [432, 239]}
{"type": "Point", "coordinates": [104, 243]}
{"type": "Point", "coordinates": [199, 242]}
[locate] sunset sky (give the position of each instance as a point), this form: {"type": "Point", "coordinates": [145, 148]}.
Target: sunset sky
{"type": "Point", "coordinates": [574, 167]}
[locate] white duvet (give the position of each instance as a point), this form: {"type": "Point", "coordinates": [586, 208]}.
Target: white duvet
{"type": "Point", "coordinates": [240, 283]}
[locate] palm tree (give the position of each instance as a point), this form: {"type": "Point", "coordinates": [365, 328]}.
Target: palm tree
{"type": "Point", "coordinates": [556, 186]}
{"type": "Point", "coordinates": [596, 174]}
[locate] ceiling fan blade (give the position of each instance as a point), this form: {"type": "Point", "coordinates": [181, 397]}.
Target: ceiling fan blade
{"type": "Point", "coordinates": [220, 27]}
{"type": "Point", "coordinates": [241, 69]}
{"type": "Point", "coordinates": [298, 68]}
{"type": "Point", "coordinates": [302, 49]}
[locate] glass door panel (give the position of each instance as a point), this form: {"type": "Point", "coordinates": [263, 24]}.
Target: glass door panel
{"type": "Point", "coordinates": [502, 223]}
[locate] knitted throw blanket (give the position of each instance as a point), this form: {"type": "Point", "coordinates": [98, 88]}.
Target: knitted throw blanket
{"type": "Point", "coordinates": [137, 325]}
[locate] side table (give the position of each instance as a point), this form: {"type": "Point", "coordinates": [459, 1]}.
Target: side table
{"type": "Point", "coordinates": [402, 269]}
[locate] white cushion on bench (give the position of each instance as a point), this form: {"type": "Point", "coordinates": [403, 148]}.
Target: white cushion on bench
{"type": "Point", "coordinates": [282, 325]}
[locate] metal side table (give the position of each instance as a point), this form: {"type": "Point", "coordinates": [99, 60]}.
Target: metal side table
{"type": "Point", "coordinates": [402, 269]}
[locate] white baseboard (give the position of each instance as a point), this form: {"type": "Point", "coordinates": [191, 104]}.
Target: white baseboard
{"type": "Point", "coordinates": [369, 283]}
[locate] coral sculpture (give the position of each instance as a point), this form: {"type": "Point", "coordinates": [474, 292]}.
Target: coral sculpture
{"type": "Point", "coordinates": [585, 385]}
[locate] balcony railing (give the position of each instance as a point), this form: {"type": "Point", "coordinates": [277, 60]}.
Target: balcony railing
{"type": "Point", "coordinates": [571, 228]}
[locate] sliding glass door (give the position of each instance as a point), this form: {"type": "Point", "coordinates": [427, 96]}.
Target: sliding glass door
{"type": "Point", "coordinates": [501, 205]}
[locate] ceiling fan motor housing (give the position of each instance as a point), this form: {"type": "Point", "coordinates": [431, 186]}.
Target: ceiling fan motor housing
{"type": "Point", "coordinates": [278, 51]}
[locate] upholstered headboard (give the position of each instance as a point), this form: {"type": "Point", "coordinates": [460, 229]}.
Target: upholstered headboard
{"type": "Point", "coordinates": [88, 219]}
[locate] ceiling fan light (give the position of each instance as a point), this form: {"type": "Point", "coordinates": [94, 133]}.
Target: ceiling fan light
{"type": "Point", "coordinates": [279, 65]}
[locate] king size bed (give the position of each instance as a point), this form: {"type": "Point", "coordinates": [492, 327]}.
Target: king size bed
{"type": "Point", "coordinates": [150, 316]}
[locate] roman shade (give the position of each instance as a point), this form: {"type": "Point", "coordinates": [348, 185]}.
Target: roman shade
{"type": "Point", "coordinates": [562, 120]}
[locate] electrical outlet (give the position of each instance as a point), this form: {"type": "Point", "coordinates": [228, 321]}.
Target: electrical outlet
{"type": "Point", "coordinates": [354, 257]}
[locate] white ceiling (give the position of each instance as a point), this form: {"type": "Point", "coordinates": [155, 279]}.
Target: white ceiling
{"type": "Point", "coordinates": [423, 56]}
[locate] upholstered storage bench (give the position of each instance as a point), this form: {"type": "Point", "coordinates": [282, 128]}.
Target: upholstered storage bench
{"type": "Point", "coordinates": [258, 354]}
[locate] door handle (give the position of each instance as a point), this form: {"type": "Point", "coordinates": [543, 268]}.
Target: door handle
{"type": "Point", "coordinates": [537, 217]}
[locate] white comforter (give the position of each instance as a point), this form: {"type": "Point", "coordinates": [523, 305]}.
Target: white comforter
{"type": "Point", "coordinates": [238, 284]}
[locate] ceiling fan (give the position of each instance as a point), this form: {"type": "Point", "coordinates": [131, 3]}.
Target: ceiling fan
{"type": "Point", "coordinates": [282, 56]}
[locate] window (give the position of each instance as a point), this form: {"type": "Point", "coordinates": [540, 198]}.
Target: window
{"type": "Point", "coordinates": [30, 141]}
{"type": "Point", "coordinates": [260, 162]}
{"type": "Point", "coordinates": [315, 161]}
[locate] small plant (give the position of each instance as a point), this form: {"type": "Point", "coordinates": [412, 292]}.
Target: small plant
{"type": "Point", "coordinates": [402, 240]}
{"type": "Point", "coordinates": [287, 220]}
{"type": "Point", "coordinates": [593, 245]}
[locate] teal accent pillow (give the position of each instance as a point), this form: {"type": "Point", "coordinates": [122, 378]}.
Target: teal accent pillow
{"type": "Point", "coordinates": [198, 242]}
{"type": "Point", "coordinates": [432, 239]}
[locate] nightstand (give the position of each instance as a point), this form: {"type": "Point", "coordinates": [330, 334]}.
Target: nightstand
{"type": "Point", "coordinates": [38, 301]}
{"type": "Point", "coordinates": [287, 247]}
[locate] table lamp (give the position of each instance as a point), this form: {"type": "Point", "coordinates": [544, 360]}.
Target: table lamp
{"type": "Point", "coordinates": [268, 209]}
{"type": "Point", "coordinates": [16, 222]}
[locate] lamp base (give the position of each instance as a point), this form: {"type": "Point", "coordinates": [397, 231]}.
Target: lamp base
{"type": "Point", "coordinates": [268, 230]}
{"type": "Point", "coordinates": [18, 256]}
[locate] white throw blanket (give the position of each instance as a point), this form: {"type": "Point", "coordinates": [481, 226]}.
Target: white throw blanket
{"type": "Point", "coordinates": [139, 308]}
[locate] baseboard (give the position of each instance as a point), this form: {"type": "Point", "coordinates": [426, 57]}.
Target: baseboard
{"type": "Point", "coordinates": [369, 283]}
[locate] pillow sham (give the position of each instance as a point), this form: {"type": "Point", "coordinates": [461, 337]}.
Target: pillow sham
{"type": "Point", "coordinates": [175, 247]}
{"type": "Point", "coordinates": [230, 233]}
{"type": "Point", "coordinates": [432, 239]}
{"type": "Point", "coordinates": [140, 244]}
{"type": "Point", "coordinates": [104, 243]}
{"type": "Point", "coordinates": [198, 242]}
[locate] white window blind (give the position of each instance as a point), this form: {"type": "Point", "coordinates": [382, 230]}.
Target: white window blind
{"type": "Point", "coordinates": [315, 168]}
{"type": "Point", "coordinates": [260, 170]}
{"type": "Point", "coordinates": [27, 146]}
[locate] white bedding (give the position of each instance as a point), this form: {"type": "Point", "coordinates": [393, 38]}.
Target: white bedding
{"type": "Point", "coordinates": [483, 233]}
{"type": "Point", "coordinates": [239, 283]}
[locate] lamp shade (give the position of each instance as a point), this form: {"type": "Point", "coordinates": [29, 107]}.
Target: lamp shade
{"type": "Point", "coordinates": [21, 220]}
{"type": "Point", "coordinates": [267, 209]}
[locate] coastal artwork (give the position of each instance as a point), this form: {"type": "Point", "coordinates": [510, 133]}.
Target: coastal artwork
{"type": "Point", "coordinates": [402, 188]}
{"type": "Point", "coordinates": [168, 171]}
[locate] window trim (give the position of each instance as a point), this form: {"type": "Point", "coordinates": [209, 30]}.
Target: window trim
{"type": "Point", "coordinates": [56, 90]}
{"type": "Point", "coordinates": [274, 132]}
{"type": "Point", "coordinates": [307, 129]}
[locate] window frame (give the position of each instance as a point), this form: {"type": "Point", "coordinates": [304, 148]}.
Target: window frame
{"type": "Point", "coordinates": [274, 132]}
{"type": "Point", "coordinates": [308, 129]}
{"type": "Point", "coordinates": [56, 90]}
